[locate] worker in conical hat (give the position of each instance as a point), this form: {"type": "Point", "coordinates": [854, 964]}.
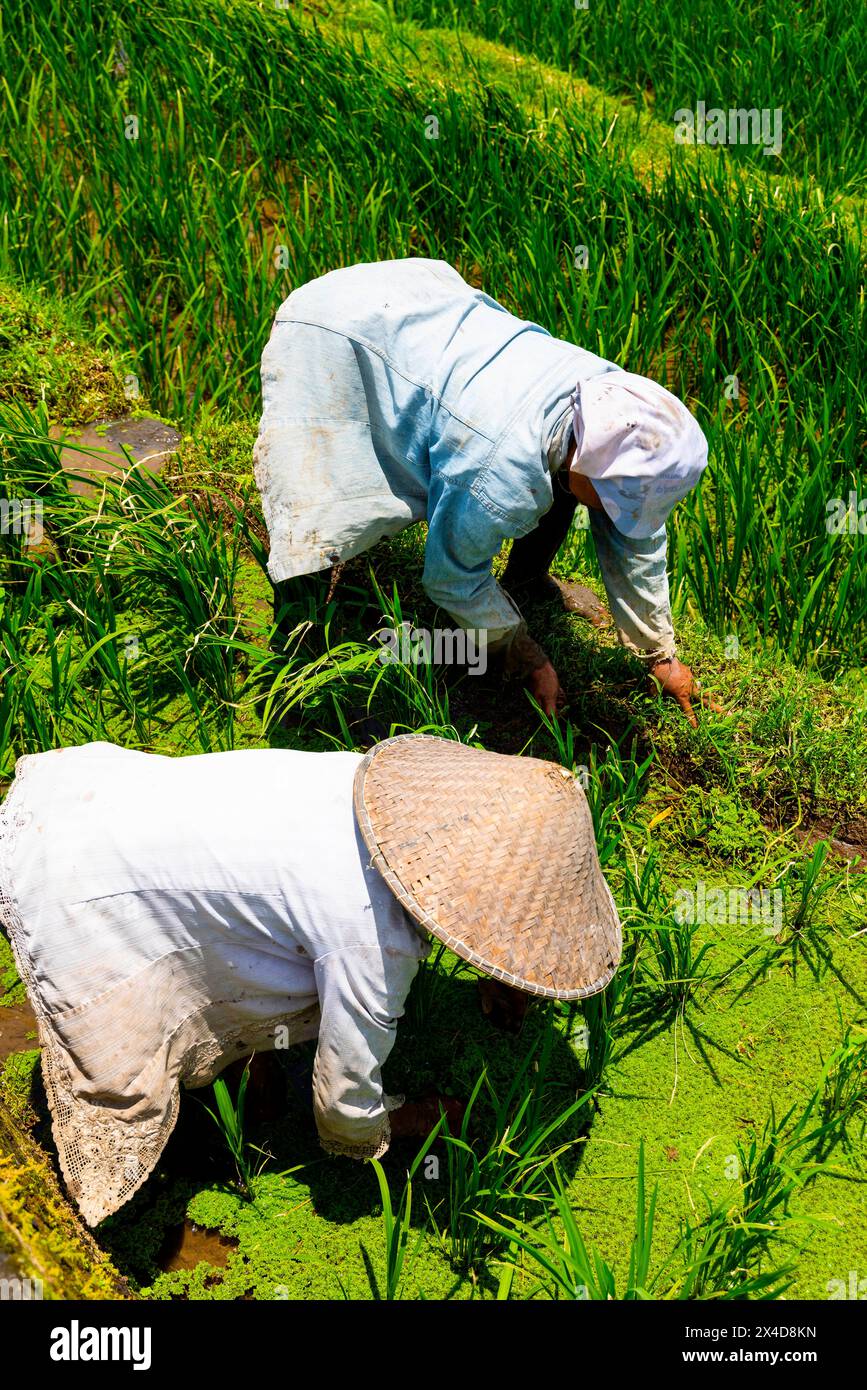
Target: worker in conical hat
{"type": "Point", "coordinates": [170, 916]}
{"type": "Point", "coordinates": [394, 392]}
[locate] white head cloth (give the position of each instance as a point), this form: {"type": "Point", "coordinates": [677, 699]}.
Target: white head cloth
{"type": "Point", "coordinates": [641, 447]}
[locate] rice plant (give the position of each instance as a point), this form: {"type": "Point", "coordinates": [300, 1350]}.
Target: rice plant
{"type": "Point", "coordinates": [558, 1248]}
{"type": "Point", "coordinates": [729, 1253]}
{"type": "Point", "coordinates": [682, 964]}
{"type": "Point", "coordinates": [506, 1169]}
{"type": "Point", "coordinates": [274, 144]}
{"type": "Point", "coordinates": [658, 54]}
{"type": "Point", "coordinates": [251, 159]}
{"type": "Point", "coordinates": [397, 1224]}
{"type": "Point", "coordinates": [229, 1119]}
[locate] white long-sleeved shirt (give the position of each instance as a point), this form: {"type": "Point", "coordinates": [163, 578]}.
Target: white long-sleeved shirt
{"type": "Point", "coordinates": [170, 915]}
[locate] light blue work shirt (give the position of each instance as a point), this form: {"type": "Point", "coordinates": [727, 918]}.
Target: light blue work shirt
{"type": "Point", "coordinates": [394, 392]}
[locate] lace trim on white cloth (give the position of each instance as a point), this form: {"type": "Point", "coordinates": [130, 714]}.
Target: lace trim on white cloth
{"type": "Point", "coordinates": [103, 1157]}
{"type": "Point", "coordinates": [374, 1148]}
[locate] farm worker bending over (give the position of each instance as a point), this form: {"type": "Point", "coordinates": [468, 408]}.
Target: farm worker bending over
{"type": "Point", "coordinates": [395, 392]}
{"type": "Point", "coordinates": [171, 915]}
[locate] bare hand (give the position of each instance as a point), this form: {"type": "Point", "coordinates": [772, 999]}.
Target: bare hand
{"type": "Point", "coordinates": [545, 688]}
{"type": "Point", "coordinates": [676, 680]}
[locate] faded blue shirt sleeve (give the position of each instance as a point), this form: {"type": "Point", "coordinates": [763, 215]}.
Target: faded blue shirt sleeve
{"type": "Point", "coordinates": [464, 536]}
{"type": "Point", "coordinates": [362, 991]}
{"type": "Point", "coordinates": [635, 573]}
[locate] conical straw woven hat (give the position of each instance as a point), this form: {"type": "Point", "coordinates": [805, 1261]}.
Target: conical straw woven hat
{"type": "Point", "coordinates": [495, 856]}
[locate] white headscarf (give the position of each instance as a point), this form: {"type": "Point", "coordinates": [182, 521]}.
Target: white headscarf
{"type": "Point", "coordinates": [641, 447]}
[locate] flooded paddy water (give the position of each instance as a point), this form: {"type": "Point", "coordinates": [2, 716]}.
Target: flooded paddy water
{"type": "Point", "coordinates": [112, 446]}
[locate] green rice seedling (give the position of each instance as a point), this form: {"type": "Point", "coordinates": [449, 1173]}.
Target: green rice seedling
{"type": "Point", "coordinates": [397, 1225]}
{"type": "Point", "coordinates": [682, 966]}
{"type": "Point", "coordinates": [53, 695]}
{"type": "Point", "coordinates": [170, 559]}
{"type": "Point", "coordinates": [718, 1255]}
{"type": "Point", "coordinates": [574, 1272]}
{"type": "Point", "coordinates": [614, 785]}
{"type": "Point", "coordinates": [278, 683]}
{"type": "Point", "coordinates": [681, 963]}
{"type": "Point", "coordinates": [614, 789]}
{"type": "Point", "coordinates": [563, 736]}
{"type": "Point", "coordinates": [844, 1087]}
{"type": "Point", "coordinates": [180, 551]}
{"type": "Point", "coordinates": [229, 1119]}
{"type": "Point", "coordinates": [92, 607]}
{"type": "Point", "coordinates": [723, 1255]}
{"type": "Point", "coordinates": [808, 885]}
{"type": "Point", "coordinates": [507, 1170]}
{"type": "Point", "coordinates": [782, 1159]}
{"type": "Point", "coordinates": [406, 670]}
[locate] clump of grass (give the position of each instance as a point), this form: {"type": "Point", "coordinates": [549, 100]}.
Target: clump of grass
{"type": "Point", "coordinates": [229, 1119]}
{"type": "Point", "coordinates": [682, 963]}
{"type": "Point", "coordinates": [506, 1170]}
{"type": "Point", "coordinates": [723, 1255]}
{"type": "Point", "coordinates": [397, 1225]}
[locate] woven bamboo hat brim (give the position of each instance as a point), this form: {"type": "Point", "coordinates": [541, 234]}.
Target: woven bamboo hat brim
{"type": "Point", "coordinates": [495, 856]}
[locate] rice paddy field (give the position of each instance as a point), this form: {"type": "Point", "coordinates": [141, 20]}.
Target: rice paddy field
{"type": "Point", "coordinates": [170, 172]}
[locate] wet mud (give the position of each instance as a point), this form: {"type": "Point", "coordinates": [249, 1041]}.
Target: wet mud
{"type": "Point", "coordinates": [111, 446]}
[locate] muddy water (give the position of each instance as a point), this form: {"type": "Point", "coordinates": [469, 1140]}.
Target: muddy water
{"type": "Point", "coordinates": [189, 1245]}
{"type": "Point", "coordinates": [7, 1269]}
{"type": "Point", "coordinates": [17, 1030]}
{"type": "Point", "coordinates": [150, 442]}
{"type": "Point", "coordinates": [851, 844]}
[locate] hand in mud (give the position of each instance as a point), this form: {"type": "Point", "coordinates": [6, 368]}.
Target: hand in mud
{"type": "Point", "coordinates": [676, 680]}
{"type": "Point", "coordinates": [416, 1118]}
{"type": "Point", "coordinates": [545, 687]}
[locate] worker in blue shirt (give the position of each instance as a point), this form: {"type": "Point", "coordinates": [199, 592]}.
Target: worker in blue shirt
{"type": "Point", "coordinates": [394, 392]}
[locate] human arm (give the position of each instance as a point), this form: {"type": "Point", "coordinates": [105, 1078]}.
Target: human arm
{"type": "Point", "coordinates": [362, 991]}
{"type": "Point", "coordinates": [635, 574]}
{"type": "Point", "coordinates": [464, 536]}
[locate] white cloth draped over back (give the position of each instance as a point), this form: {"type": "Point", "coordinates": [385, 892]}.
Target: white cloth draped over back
{"type": "Point", "coordinates": [168, 914]}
